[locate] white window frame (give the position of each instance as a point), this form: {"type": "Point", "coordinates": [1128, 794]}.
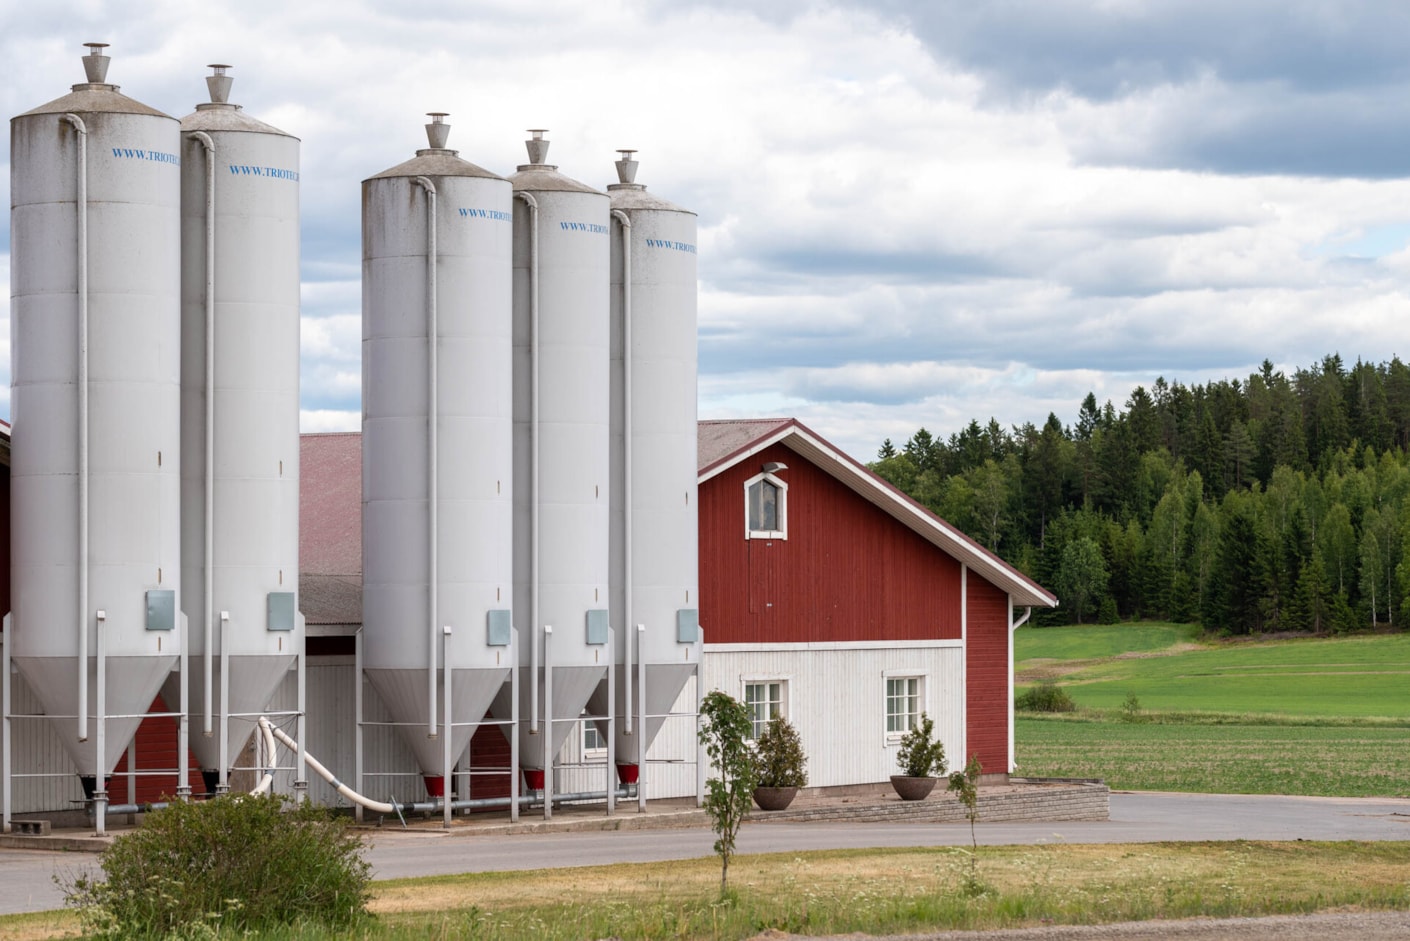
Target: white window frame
{"type": "Point", "coordinates": [590, 753]}
{"type": "Point", "coordinates": [759, 680]}
{"type": "Point", "coordinates": [782, 508]}
{"type": "Point", "coordinates": [922, 699]}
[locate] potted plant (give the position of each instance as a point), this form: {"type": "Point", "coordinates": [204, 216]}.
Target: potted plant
{"type": "Point", "coordinates": [782, 766]}
{"type": "Point", "coordinates": [921, 758]}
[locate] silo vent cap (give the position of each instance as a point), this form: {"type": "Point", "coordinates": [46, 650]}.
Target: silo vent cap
{"type": "Point", "coordinates": [538, 147]}
{"type": "Point", "coordinates": [438, 131]}
{"type": "Point", "coordinates": [95, 64]}
{"type": "Point", "coordinates": [219, 83]}
{"type": "Point", "coordinates": [626, 167]}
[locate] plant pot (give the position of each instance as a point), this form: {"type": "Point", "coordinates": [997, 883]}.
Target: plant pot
{"type": "Point", "coordinates": [912, 789]}
{"type": "Point", "coordinates": [774, 798]}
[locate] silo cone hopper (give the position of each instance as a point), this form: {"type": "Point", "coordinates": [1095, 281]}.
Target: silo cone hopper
{"type": "Point", "coordinates": [664, 682]}
{"type": "Point", "coordinates": [572, 688]}
{"type": "Point", "coordinates": [405, 694]}
{"type": "Point", "coordinates": [130, 687]}
{"type": "Point", "coordinates": [253, 679]}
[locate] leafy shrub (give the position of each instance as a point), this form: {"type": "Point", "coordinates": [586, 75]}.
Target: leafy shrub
{"type": "Point", "coordinates": [230, 864]}
{"type": "Point", "coordinates": [725, 726]}
{"type": "Point", "coordinates": [1046, 696]}
{"type": "Point", "coordinates": [1131, 709]}
{"type": "Point", "coordinates": [921, 754]}
{"type": "Point", "coordinates": [778, 755]}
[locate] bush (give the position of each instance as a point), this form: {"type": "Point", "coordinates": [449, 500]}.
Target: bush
{"type": "Point", "coordinates": [1047, 696]}
{"type": "Point", "coordinates": [921, 755]}
{"type": "Point", "coordinates": [778, 755]}
{"type": "Point", "coordinates": [725, 727]}
{"type": "Point", "coordinates": [230, 864]}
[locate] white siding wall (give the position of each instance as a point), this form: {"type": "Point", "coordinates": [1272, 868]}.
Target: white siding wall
{"type": "Point", "coordinates": [836, 697]}
{"type": "Point", "coordinates": [36, 750]}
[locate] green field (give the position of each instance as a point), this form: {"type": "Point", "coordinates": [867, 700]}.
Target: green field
{"type": "Point", "coordinates": [1313, 716]}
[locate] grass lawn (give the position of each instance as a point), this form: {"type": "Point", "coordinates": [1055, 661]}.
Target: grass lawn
{"type": "Point", "coordinates": [1327, 761]}
{"type": "Point", "coordinates": [1314, 716]}
{"type": "Point", "coordinates": [875, 892]}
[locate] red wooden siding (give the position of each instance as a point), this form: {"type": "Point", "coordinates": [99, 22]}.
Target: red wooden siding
{"type": "Point", "coordinates": [156, 749]}
{"type": "Point", "coordinates": [987, 676]}
{"type": "Point", "coordinates": [846, 572]}
{"type": "Point", "coordinates": [489, 749]}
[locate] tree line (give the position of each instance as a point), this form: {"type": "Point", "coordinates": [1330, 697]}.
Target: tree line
{"type": "Point", "coordinates": [1277, 503]}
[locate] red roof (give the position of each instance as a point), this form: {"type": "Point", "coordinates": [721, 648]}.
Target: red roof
{"type": "Point", "coordinates": [330, 527]}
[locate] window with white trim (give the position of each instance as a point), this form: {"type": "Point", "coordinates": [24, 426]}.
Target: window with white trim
{"type": "Point", "coordinates": [594, 742]}
{"type": "Point", "coordinates": [766, 507]}
{"type": "Point", "coordinates": [765, 701]}
{"type": "Point", "coordinates": [904, 703]}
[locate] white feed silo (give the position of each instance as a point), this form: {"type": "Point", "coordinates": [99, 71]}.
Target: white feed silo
{"type": "Point", "coordinates": [561, 403]}
{"type": "Point", "coordinates": [655, 541]}
{"type": "Point", "coordinates": [239, 422]}
{"type": "Point", "coordinates": [95, 398]}
{"type": "Point", "coordinates": [437, 444]}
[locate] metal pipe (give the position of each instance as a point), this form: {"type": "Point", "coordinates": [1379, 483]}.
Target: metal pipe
{"type": "Point", "coordinates": [132, 771]}
{"type": "Point", "coordinates": [627, 673]}
{"type": "Point", "coordinates": [183, 719]}
{"type": "Point", "coordinates": [641, 720]}
{"type": "Point", "coordinates": [548, 714]}
{"type": "Point", "coordinates": [626, 222]}
{"type": "Point", "coordinates": [357, 713]}
{"type": "Point", "coordinates": [136, 808]}
{"type": "Point", "coordinates": [208, 548]}
{"type": "Point", "coordinates": [300, 764]}
{"type": "Point", "coordinates": [514, 771]}
{"type": "Point", "coordinates": [6, 779]}
{"type": "Point", "coordinates": [1013, 626]}
{"type": "Point", "coordinates": [81, 205]}
{"type": "Point", "coordinates": [223, 784]}
{"type": "Point", "coordinates": [611, 765]}
{"type": "Point", "coordinates": [533, 205]}
{"type": "Point", "coordinates": [700, 766]}
{"type": "Point", "coordinates": [432, 479]}
{"type": "Point", "coordinates": [447, 727]}
{"type": "Point", "coordinates": [100, 783]}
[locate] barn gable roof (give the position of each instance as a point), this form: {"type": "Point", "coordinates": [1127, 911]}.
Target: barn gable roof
{"type": "Point", "coordinates": [723, 444]}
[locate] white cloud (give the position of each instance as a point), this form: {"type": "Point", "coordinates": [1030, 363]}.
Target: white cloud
{"type": "Point", "coordinates": [900, 225]}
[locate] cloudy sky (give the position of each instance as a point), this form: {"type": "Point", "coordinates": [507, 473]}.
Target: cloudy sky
{"type": "Point", "coordinates": [912, 212]}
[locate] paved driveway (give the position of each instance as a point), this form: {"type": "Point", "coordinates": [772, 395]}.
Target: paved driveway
{"type": "Point", "coordinates": [26, 878]}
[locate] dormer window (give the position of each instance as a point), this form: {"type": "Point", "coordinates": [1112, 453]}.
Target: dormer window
{"type": "Point", "coordinates": [766, 505]}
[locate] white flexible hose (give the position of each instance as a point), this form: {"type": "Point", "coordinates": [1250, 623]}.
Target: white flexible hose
{"type": "Point", "coordinates": [267, 780]}
{"type": "Point", "coordinates": [339, 786]}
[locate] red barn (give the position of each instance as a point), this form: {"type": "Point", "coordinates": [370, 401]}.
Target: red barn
{"type": "Point", "coordinates": [829, 596]}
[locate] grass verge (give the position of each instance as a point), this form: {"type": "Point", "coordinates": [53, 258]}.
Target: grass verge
{"type": "Point", "coordinates": [885, 891]}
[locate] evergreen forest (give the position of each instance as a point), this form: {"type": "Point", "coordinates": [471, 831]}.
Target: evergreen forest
{"type": "Point", "coordinates": [1278, 503]}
